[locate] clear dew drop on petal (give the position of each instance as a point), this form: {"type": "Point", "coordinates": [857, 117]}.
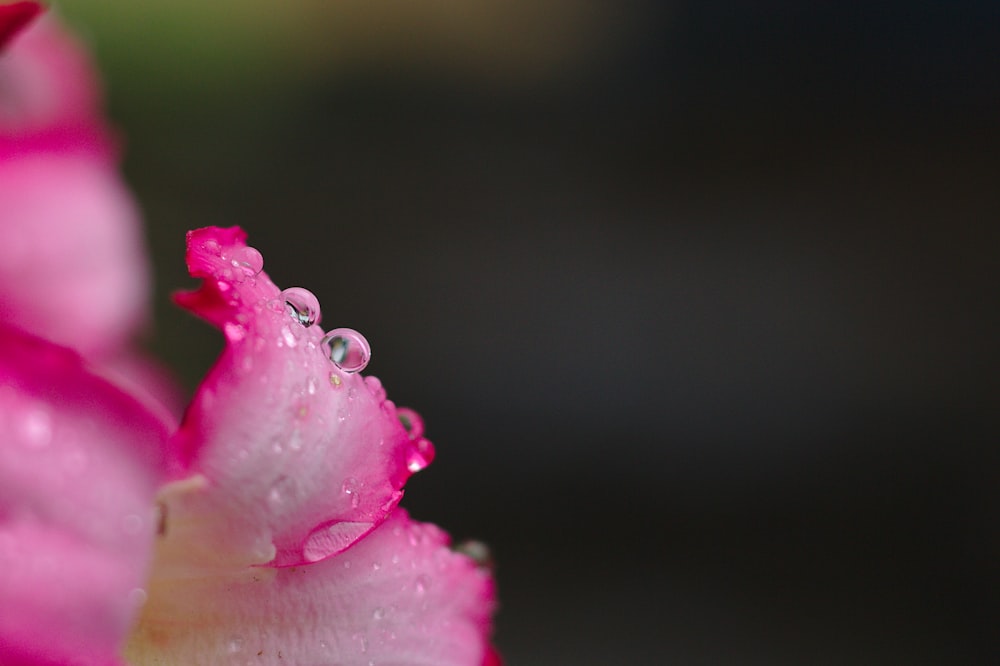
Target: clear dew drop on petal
{"type": "Point", "coordinates": [348, 349]}
{"type": "Point", "coordinates": [302, 304]}
{"type": "Point", "coordinates": [412, 422]}
{"type": "Point", "coordinates": [247, 262]}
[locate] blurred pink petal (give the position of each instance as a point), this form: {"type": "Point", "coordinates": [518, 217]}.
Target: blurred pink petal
{"type": "Point", "coordinates": [146, 380]}
{"type": "Point", "coordinates": [399, 597]}
{"type": "Point", "coordinates": [80, 463]}
{"type": "Point", "coordinates": [50, 97]}
{"type": "Point", "coordinates": [72, 266]}
{"type": "Point", "coordinates": [13, 18]}
{"type": "Point", "coordinates": [302, 458]}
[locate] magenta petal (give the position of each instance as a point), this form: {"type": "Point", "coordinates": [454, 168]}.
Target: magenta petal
{"type": "Point", "coordinates": [14, 17]}
{"type": "Point", "coordinates": [398, 597]}
{"type": "Point", "coordinates": [80, 463]}
{"type": "Point", "coordinates": [301, 458]}
{"type": "Point", "coordinates": [51, 97]}
{"type": "Point", "coordinates": [72, 262]}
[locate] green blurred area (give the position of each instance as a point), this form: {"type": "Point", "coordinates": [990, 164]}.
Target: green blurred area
{"type": "Point", "coordinates": [161, 48]}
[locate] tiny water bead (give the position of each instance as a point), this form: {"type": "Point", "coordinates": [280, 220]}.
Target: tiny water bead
{"type": "Point", "coordinates": [420, 456]}
{"type": "Point", "coordinates": [348, 349]}
{"type": "Point", "coordinates": [412, 423]}
{"type": "Point", "coordinates": [477, 551]}
{"type": "Point", "coordinates": [302, 305]}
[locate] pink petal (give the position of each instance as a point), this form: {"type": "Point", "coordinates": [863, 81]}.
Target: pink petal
{"type": "Point", "coordinates": [146, 380]}
{"type": "Point", "coordinates": [399, 597]}
{"type": "Point", "coordinates": [72, 262]}
{"type": "Point", "coordinates": [14, 17]}
{"type": "Point", "coordinates": [301, 458]}
{"type": "Point", "coordinates": [51, 96]}
{"type": "Point", "coordinates": [80, 463]}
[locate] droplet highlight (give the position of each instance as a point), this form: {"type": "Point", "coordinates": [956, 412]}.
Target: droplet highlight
{"type": "Point", "coordinates": [420, 456]}
{"type": "Point", "coordinates": [302, 305]}
{"type": "Point", "coordinates": [348, 349]}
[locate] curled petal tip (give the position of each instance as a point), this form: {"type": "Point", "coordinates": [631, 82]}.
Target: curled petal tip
{"type": "Point", "coordinates": [302, 453]}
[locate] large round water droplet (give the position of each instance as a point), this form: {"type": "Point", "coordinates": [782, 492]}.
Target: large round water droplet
{"type": "Point", "coordinates": [348, 349]}
{"type": "Point", "coordinates": [302, 305]}
{"type": "Point", "coordinates": [247, 260]}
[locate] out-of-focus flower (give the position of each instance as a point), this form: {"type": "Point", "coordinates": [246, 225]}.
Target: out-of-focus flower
{"type": "Point", "coordinates": [264, 528]}
{"type": "Point", "coordinates": [73, 267]}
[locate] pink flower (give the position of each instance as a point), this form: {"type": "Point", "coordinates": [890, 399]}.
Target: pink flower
{"type": "Point", "coordinates": [264, 527]}
{"type": "Point", "coordinates": [73, 266]}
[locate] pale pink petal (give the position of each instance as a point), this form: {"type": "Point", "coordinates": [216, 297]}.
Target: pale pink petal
{"type": "Point", "coordinates": [398, 597]}
{"type": "Point", "coordinates": [72, 262]}
{"type": "Point", "coordinates": [300, 459]}
{"type": "Point", "coordinates": [80, 462]}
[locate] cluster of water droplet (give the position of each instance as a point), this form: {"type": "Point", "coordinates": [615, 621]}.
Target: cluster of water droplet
{"type": "Point", "coordinates": [345, 347]}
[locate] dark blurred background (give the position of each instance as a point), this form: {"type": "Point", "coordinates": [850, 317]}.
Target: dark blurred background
{"type": "Point", "coordinates": [698, 299]}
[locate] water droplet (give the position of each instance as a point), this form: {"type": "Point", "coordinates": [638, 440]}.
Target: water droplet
{"type": "Point", "coordinates": [362, 639]}
{"type": "Point", "coordinates": [378, 614]}
{"type": "Point", "coordinates": [331, 538]}
{"type": "Point", "coordinates": [420, 456]}
{"type": "Point", "coordinates": [477, 551]}
{"type": "Point", "coordinates": [348, 349]}
{"type": "Point", "coordinates": [212, 247]}
{"type": "Point", "coordinates": [375, 386]}
{"type": "Point", "coordinates": [137, 597]}
{"type": "Point", "coordinates": [247, 260]}
{"type": "Point", "coordinates": [234, 332]}
{"type": "Point", "coordinates": [422, 583]}
{"type": "Point", "coordinates": [235, 644]}
{"type": "Point", "coordinates": [412, 423]}
{"type": "Point", "coordinates": [376, 566]}
{"type": "Point", "coordinates": [288, 336]}
{"type": "Point", "coordinates": [323, 645]}
{"type": "Point", "coordinates": [350, 489]}
{"type": "Point", "coordinates": [282, 491]}
{"type": "Point", "coordinates": [302, 305]}
{"type": "Point", "coordinates": [131, 524]}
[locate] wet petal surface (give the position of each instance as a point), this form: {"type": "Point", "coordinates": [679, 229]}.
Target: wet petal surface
{"type": "Point", "coordinates": [80, 463]}
{"type": "Point", "coordinates": [399, 597]}
{"type": "Point", "coordinates": [297, 457]}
